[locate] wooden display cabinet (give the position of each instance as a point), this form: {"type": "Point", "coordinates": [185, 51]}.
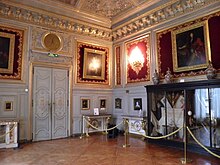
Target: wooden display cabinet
{"type": "Point", "coordinates": [197, 104]}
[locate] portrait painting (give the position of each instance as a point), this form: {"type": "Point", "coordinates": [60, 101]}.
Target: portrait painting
{"type": "Point", "coordinates": [118, 103]}
{"type": "Point", "coordinates": [7, 43]}
{"type": "Point", "coordinates": [8, 106]}
{"type": "Point", "coordinates": [85, 104]}
{"type": "Point", "coordinates": [94, 64]}
{"type": "Point", "coordinates": [137, 103]}
{"type": "Point", "coordinates": [102, 103]}
{"type": "Point", "coordinates": [190, 47]}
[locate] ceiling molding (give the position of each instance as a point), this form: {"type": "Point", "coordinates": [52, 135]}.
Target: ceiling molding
{"type": "Point", "coordinates": [165, 12]}
{"type": "Point", "coordinates": [55, 21]}
{"type": "Point", "coordinates": [161, 14]}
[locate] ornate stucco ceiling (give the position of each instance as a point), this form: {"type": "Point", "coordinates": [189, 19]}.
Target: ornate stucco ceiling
{"type": "Point", "coordinates": [103, 13]}
{"type": "Point", "coordinates": [104, 8]}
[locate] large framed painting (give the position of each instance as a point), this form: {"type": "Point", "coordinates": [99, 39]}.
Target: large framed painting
{"type": "Point", "coordinates": [11, 52]}
{"type": "Point", "coordinates": [138, 59]}
{"type": "Point", "coordinates": [94, 64]}
{"type": "Point", "coordinates": [190, 45]}
{"type": "Point", "coordinates": [7, 42]}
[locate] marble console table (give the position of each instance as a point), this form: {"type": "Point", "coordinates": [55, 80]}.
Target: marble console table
{"type": "Point", "coordinates": [98, 121]}
{"type": "Point", "coordinates": [137, 124]}
{"type": "Point", "coordinates": [8, 133]}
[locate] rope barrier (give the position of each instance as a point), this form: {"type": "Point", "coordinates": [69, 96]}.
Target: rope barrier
{"type": "Point", "coordinates": [8, 131]}
{"type": "Point", "coordinates": [159, 137]}
{"type": "Point", "coordinates": [202, 145]}
{"type": "Point", "coordinates": [150, 137]}
{"type": "Point", "coordinates": [100, 129]}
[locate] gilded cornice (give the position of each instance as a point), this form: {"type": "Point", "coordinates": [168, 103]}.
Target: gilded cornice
{"type": "Point", "coordinates": [50, 20]}
{"type": "Point", "coordinates": [163, 13]}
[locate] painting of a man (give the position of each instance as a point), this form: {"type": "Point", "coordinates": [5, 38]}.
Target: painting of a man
{"type": "Point", "coordinates": [190, 48]}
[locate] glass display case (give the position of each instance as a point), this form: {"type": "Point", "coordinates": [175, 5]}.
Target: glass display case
{"type": "Point", "coordinates": [197, 104]}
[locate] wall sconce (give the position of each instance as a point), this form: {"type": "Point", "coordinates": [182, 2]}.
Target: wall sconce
{"type": "Point", "coordinates": [136, 59]}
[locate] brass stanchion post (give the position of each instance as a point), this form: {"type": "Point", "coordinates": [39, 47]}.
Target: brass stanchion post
{"type": "Point", "coordinates": [107, 121]}
{"type": "Point", "coordinates": [143, 126]}
{"type": "Point", "coordinates": [106, 126]}
{"type": "Point", "coordinates": [126, 133]}
{"type": "Point", "coordinates": [185, 160]}
{"type": "Point", "coordinates": [82, 128]}
{"type": "Point", "coordinates": [87, 132]}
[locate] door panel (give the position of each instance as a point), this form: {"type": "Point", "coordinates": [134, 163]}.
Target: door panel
{"type": "Point", "coordinates": [60, 97]}
{"type": "Point", "coordinates": [50, 109]}
{"type": "Point", "coordinates": [42, 104]}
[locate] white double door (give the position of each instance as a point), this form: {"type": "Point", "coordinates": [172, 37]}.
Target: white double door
{"type": "Point", "coordinates": [50, 103]}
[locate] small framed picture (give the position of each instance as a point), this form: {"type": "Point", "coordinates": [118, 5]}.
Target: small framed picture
{"type": "Point", "coordinates": [103, 103]}
{"type": "Point", "coordinates": [137, 103]}
{"type": "Point", "coordinates": [96, 111]}
{"type": "Point", "coordinates": [85, 104]}
{"type": "Point", "coordinates": [118, 103]}
{"type": "Point", "coordinates": [8, 106]}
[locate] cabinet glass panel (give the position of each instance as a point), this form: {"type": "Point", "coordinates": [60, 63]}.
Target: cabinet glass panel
{"type": "Point", "coordinates": [203, 117]}
{"type": "Point", "coordinates": [2, 132]}
{"type": "Point", "coordinates": [167, 113]}
{"type": "Point", "coordinates": [157, 116]}
{"type": "Point", "coordinates": [174, 107]}
{"type": "Point", "coordinates": [214, 94]}
{"type": "Point", "coordinates": [198, 116]}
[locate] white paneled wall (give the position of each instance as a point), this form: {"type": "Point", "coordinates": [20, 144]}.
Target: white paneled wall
{"type": "Point", "coordinates": [19, 98]}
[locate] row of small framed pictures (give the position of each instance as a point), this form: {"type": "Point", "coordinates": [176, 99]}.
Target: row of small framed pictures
{"type": "Point", "coordinates": [137, 103]}
{"type": "Point", "coordinates": [85, 104]}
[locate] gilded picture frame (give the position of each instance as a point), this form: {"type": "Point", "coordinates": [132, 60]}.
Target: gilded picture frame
{"type": "Point", "coordinates": [85, 104]}
{"type": "Point", "coordinates": [190, 47]}
{"type": "Point", "coordinates": [118, 103]}
{"type": "Point", "coordinates": [94, 64]}
{"type": "Point", "coordinates": [137, 102]}
{"type": "Point", "coordinates": [8, 106]}
{"type": "Point", "coordinates": [118, 65]}
{"type": "Point", "coordinates": [7, 44]}
{"type": "Point", "coordinates": [102, 103]}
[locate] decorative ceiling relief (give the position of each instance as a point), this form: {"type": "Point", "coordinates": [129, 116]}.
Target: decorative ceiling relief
{"type": "Point", "coordinates": [104, 8]}
{"type": "Point", "coordinates": [107, 8]}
